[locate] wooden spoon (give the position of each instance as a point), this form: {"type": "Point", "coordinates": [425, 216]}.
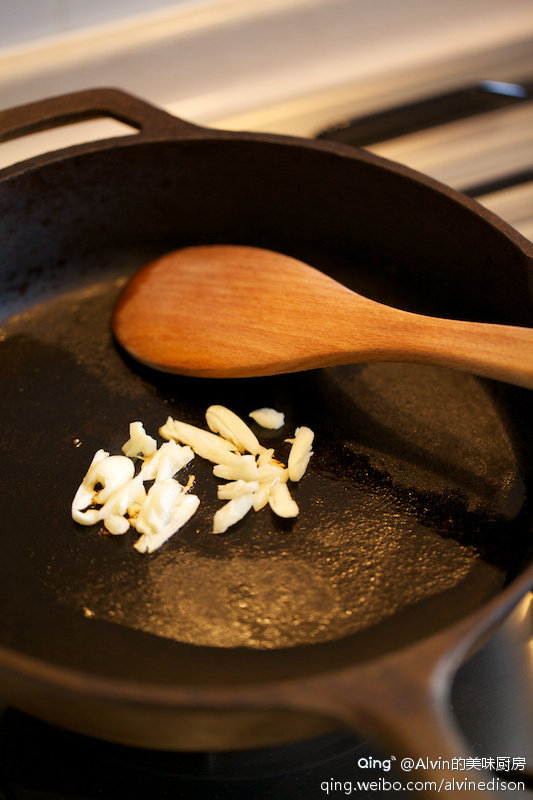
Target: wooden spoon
{"type": "Point", "coordinates": [227, 311]}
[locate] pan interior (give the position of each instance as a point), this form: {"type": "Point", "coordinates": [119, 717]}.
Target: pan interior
{"type": "Point", "coordinates": [409, 505]}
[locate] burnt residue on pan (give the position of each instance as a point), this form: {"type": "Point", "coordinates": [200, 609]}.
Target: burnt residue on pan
{"type": "Point", "coordinates": [412, 495]}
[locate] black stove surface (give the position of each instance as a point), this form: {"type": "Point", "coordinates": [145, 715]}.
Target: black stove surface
{"type": "Point", "coordinates": [39, 761]}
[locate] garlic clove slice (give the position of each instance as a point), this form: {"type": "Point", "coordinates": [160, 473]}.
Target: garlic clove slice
{"type": "Point", "coordinates": [139, 443]}
{"type": "Point", "coordinates": [232, 512]}
{"type": "Point", "coordinates": [89, 517]}
{"type": "Point", "coordinates": [239, 468]}
{"type": "Point", "coordinates": [272, 472]}
{"type": "Point", "coordinates": [157, 509]}
{"type": "Point", "coordinates": [204, 443]}
{"type": "Point", "coordinates": [281, 502]}
{"type": "Point", "coordinates": [116, 525]}
{"type": "Point", "coordinates": [229, 491]}
{"type": "Point", "coordinates": [113, 473]}
{"type": "Point", "coordinates": [123, 501]}
{"type": "Point", "coordinates": [163, 515]}
{"type": "Point", "coordinates": [110, 472]}
{"type": "Point", "coordinates": [85, 493]}
{"type": "Point", "coordinates": [225, 422]}
{"type": "Point", "coordinates": [168, 460]}
{"type": "Point", "coordinates": [300, 453]}
{"type": "Point", "coordinates": [268, 418]}
{"type": "Point", "coordinates": [260, 497]}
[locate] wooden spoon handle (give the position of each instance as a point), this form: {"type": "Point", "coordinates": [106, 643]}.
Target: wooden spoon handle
{"type": "Point", "coordinates": [500, 352]}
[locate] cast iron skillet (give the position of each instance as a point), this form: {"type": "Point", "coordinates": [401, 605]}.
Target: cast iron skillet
{"type": "Point", "coordinates": [414, 537]}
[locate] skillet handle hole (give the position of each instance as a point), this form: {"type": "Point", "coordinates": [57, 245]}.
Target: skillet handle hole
{"type": "Point", "coordinates": [74, 133]}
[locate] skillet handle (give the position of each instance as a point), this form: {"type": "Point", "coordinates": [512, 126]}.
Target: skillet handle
{"type": "Point", "coordinates": [88, 104]}
{"type": "Point", "coordinates": [402, 703]}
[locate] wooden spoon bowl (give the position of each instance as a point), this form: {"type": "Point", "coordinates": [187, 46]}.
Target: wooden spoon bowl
{"type": "Point", "coordinates": [228, 311]}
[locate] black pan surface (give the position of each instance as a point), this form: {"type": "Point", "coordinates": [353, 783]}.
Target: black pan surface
{"type": "Point", "coordinates": [414, 511]}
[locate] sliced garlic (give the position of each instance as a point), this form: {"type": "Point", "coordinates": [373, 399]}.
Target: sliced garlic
{"type": "Point", "coordinates": [272, 472]}
{"type": "Point", "coordinates": [266, 456]}
{"type": "Point", "coordinates": [116, 524]}
{"type": "Point", "coordinates": [260, 497]}
{"type": "Point", "coordinates": [169, 459]}
{"type": "Point", "coordinates": [166, 509]}
{"type": "Point", "coordinates": [156, 510]}
{"type": "Point", "coordinates": [205, 444]}
{"type": "Point", "coordinates": [86, 491]}
{"type": "Point", "coordinates": [139, 443]}
{"type": "Point", "coordinates": [301, 452]}
{"type": "Point", "coordinates": [113, 473]}
{"type": "Point", "coordinates": [268, 418]}
{"type": "Point", "coordinates": [111, 493]}
{"type": "Point", "coordinates": [110, 472]}
{"type": "Point", "coordinates": [240, 468]}
{"type": "Point", "coordinates": [86, 517]}
{"type": "Point", "coordinates": [124, 500]}
{"type": "Point", "coordinates": [229, 425]}
{"type": "Point", "coordinates": [281, 502]}
{"type": "Point", "coordinates": [229, 491]}
{"type": "Point", "coordinates": [232, 512]}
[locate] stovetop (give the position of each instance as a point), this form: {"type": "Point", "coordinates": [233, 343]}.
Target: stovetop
{"type": "Point", "coordinates": [475, 138]}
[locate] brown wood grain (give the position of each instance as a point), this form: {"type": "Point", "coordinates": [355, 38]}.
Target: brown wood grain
{"type": "Point", "coordinates": [230, 311]}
